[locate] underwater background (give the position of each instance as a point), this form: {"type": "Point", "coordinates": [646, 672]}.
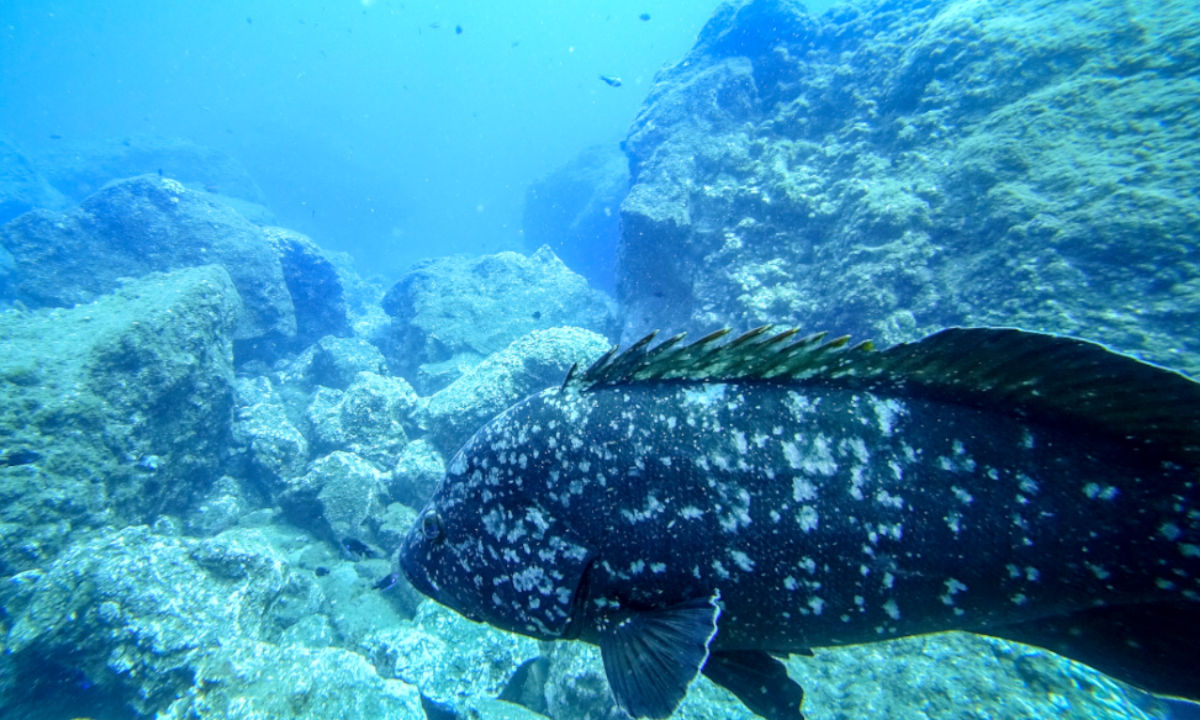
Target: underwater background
{"type": "Point", "coordinates": [265, 266]}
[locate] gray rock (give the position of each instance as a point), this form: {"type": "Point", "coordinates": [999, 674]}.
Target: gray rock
{"type": "Point", "coordinates": [418, 470]}
{"type": "Point", "coordinates": [341, 493]}
{"type": "Point", "coordinates": [115, 411]}
{"type": "Point", "coordinates": [369, 418]}
{"type": "Point", "coordinates": [222, 509]}
{"type": "Point", "coordinates": [255, 680]}
{"type": "Point", "coordinates": [531, 363]}
{"type": "Point", "coordinates": [956, 675]}
{"type": "Point", "coordinates": [131, 611]}
{"type": "Point", "coordinates": [467, 308]}
{"type": "Point", "coordinates": [314, 284]}
{"type": "Point", "coordinates": [275, 448]}
{"type": "Point", "coordinates": [335, 361]}
{"type": "Point", "coordinates": [885, 172]}
{"type": "Point", "coordinates": [137, 226]}
{"type": "Point", "coordinates": [452, 660]}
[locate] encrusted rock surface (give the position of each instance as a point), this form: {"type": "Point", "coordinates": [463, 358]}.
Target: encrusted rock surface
{"type": "Point", "coordinates": [888, 169]}
{"type": "Point", "coordinates": [113, 411]}
{"type": "Point", "coordinates": [457, 310]}
{"type": "Point", "coordinates": [142, 225]}
{"type": "Point", "coordinates": [291, 294]}
{"type": "Point", "coordinates": [531, 363]}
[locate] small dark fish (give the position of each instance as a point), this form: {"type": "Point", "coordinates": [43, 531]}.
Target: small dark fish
{"type": "Point", "coordinates": [357, 549]}
{"type": "Point", "coordinates": [320, 571]}
{"type": "Point", "coordinates": [644, 17]}
{"type": "Point", "coordinates": [611, 80]}
{"type": "Point", "coordinates": [387, 582]}
{"type": "Point", "coordinates": [458, 29]}
{"type": "Point", "coordinates": [22, 456]}
{"type": "Point", "coordinates": [702, 508]}
{"type": "Point", "coordinates": [55, 136]}
{"type": "Point", "coordinates": [537, 315]}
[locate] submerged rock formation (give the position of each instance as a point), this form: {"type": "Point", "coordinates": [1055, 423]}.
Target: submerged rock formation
{"type": "Point", "coordinates": [114, 411]}
{"type": "Point", "coordinates": [450, 313]}
{"type": "Point", "coordinates": [290, 293]}
{"type": "Point", "coordinates": [887, 169]}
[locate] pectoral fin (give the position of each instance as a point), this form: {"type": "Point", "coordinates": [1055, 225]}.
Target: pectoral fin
{"type": "Point", "coordinates": [651, 656]}
{"type": "Point", "coordinates": [760, 681]}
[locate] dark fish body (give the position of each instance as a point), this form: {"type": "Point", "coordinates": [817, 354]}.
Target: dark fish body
{"type": "Point", "coordinates": [704, 523]}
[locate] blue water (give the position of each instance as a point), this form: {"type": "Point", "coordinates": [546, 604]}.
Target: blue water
{"type": "Point", "coordinates": [397, 132]}
{"type": "Point", "coordinates": [373, 125]}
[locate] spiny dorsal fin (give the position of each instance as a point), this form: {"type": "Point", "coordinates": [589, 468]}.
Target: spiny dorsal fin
{"type": "Point", "coordinates": [755, 355]}
{"type": "Point", "coordinates": [1023, 373]}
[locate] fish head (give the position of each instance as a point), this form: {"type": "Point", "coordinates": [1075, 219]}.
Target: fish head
{"type": "Point", "coordinates": [488, 543]}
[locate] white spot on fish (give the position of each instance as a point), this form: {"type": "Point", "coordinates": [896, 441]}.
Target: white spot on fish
{"type": "Point", "coordinates": [1094, 491]}
{"type": "Point", "coordinates": [817, 605]}
{"type": "Point", "coordinates": [658, 568]}
{"type": "Point", "coordinates": [886, 499]}
{"type": "Point", "coordinates": [802, 489]}
{"type": "Point", "coordinates": [886, 412]}
{"type": "Point", "coordinates": [953, 587]}
{"type": "Point", "coordinates": [742, 560]}
{"type": "Point", "coordinates": [806, 517]}
{"type": "Point", "coordinates": [792, 454]}
{"type": "Point", "coordinates": [652, 508]}
{"type": "Point", "coordinates": [892, 609]}
{"type": "Point", "coordinates": [790, 583]}
{"type": "Point", "coordinates": [820, 458]}
{"type": "Point", "coordinates": [1170, 531]}
{"type": "Point", "coordinates": [710, 394]}
{"type": "Point", "coordinates": [963, 496]}
{"type": "Point", "coordinates": [953, 522]}
{"type": "Point", "coordinates": [690, 512]}
{"type": "Point", "coordinates": [739, 441]}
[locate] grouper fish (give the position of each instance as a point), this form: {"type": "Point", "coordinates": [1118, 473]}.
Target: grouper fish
{"type": "Point", "coordinates": [712, 507]}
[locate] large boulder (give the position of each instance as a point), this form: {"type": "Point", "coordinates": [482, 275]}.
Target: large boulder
{"type": "Point", "coordinates": [290, 293]}
{"type": "Point", "coordinates": [450, 313]}
{"type": "Point", "coordinates": [314, 285]}
{"type": "Point", "coordinates": [575, 211]}
{"type": "Point", "coordinates": [114, 411]}
{"type": "Point", "coordinates": [142, 225]}
{"type": "Point", "coordinates": [529, 364]}
{"type": "Point", "coordinates": [140, 623]}
{"type": "Point", "coordinates": [886, 170]}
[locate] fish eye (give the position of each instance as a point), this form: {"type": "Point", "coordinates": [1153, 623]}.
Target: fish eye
{"type": "Point", "coordinates": [431, 525]}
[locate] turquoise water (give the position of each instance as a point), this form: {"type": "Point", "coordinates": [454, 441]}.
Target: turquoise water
{"type": "Point", "coordinates": [266, 267]}
{"type": "Point", "coordinates": [373, 125]}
